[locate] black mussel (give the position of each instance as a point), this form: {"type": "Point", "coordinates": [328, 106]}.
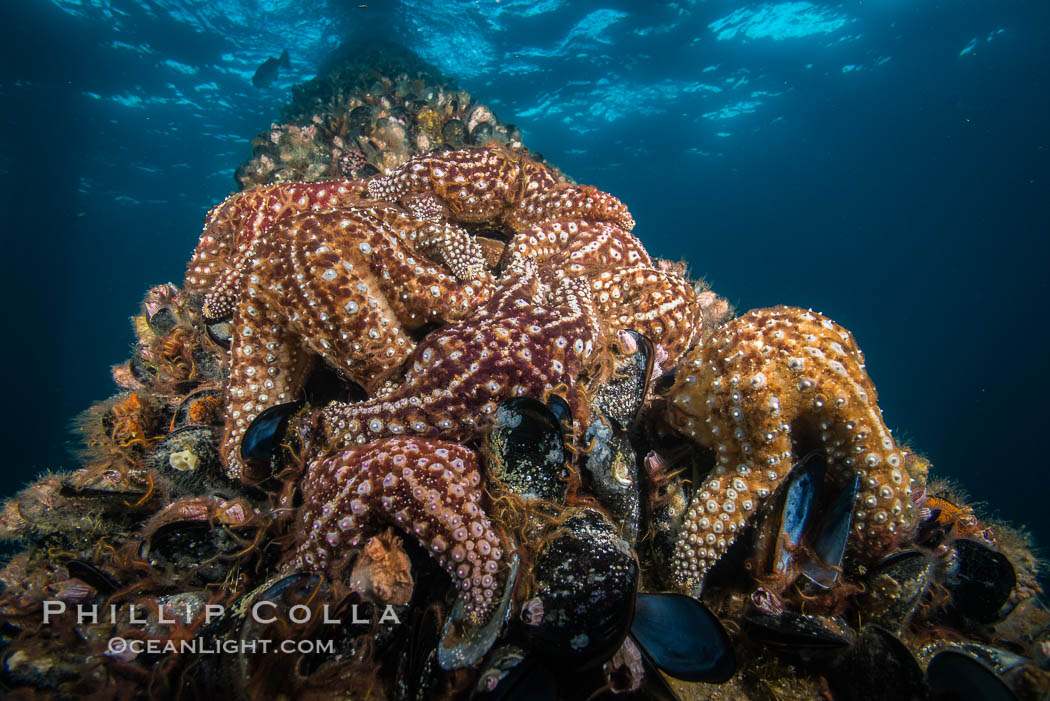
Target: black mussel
{"type": "Point", "coordinates": [583, 602]}
{"type": "Point", "coordinates": [802, 493]}
{"type": "Point", "coordinates": [102, 581]}
{"type": "Point", "coordinates": [367, 171]}
{"type": "Point", "coordinates": [791, 631]}
{"type": "Point", "coordinates": [979, 580]}
{"type": "Point", "coordinates": [666, 501]}
{"type": "Point", "coordinates": [896, 587]}
{"type": "Point", "coordinates": [832, 533]}
{"type": "Point", "coordinates": [879, 666]}
{"type": "Point", "coordinates": [360, 120]}
{"type": "Point", "coordinates": [228, 675]}
{"type": "Point", "coordinates": [189, 458]}
{"type": "Point", "coordinates": [612, 466]}
{"type": "Point", "coordinates": [296, 607]}
{"type": "Point", "coordinates": [525, 450]}
{"type": "Point", "coordinates": [418, 665]}
{"type": "Point", "coordinates": [1008, 665]}
{"type": "Point", "coordinates": [48, 670]}
{"type": "Point", "coordinates": [112, 494]}
{"type": "Point", "coordinates": [196, 550]}
{"type": "Point", "coordinates": [623, 395]}
{"type": "Point", "coordinates": [630, 675]}
{"type": "Point", "coordinates": [562, 412]}
{"type": "Point", "coordinates": [162, 321]}
{"type": "Point", "coordinates": [502, 668]}
{"type": "Point", "coordinates": [463, 644]}
{"type": "Point", "coordinates": [220, 331]}
{"type": "Point", "coordinates": [683, 638]}
{"type": "Point", "coordinates": [511, 674]}
{"type": "Point", "coordinates": [956, 676]}
{"type": "Point", "coordinates": [141, 370]}
{"type": "Point", "coordinates": [201, 408]}
{"type": "Point", "coordinates": [454, 133]}
{"type": "Point", "coordinates": [481, 134]}
{"type": "Point", "coordinates": [263, 436]}
{"type": "Point", "coordinates": [324, 385]}
{"type": "Point", "coordinates": [209, 366]}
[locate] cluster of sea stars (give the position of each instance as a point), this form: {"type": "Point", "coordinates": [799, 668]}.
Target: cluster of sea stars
{"type": "Point", "coordinates": [352, 273]}
{"type": "Point", "coordinates": [344, 272]}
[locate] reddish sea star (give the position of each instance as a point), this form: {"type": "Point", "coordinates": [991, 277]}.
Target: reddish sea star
{"type": "Point", "coordinates": [520, 344]}
{"type": "Point", "coordinates": [431, 489]}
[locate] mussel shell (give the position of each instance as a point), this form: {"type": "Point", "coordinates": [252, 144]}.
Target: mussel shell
{"type": "Point", "coordinates": [454, 133]}
{"type": "Point", "coordinates": [360, 119]}
{"type": "Point", "coordinates": [464, 645]}
{"type": "Point", "coordinates": [113, 500]}
{"type": "Point", "coordinates": [803, 491]}
{"type": "Point", "coordinates": [514, 675]}
{"type": "Point", "coordinates": [196, 549]}
{"type": "Point", "coordinates": [956, 676]}
{"type": "Point", "coordinates": [654, 685]}
{"type": "Point", "coordinates": [101, 580]}
{"type": "Point", "coordinates": [481, 134]}
{"type": "Point", "coordinates": [50, 672]}
{"type": "Point", "coordinates": [832, 534]}
{"type": "Point", "coordinates": [183, 412]}
{"type": "Point", "coordinates": [896, 587]}
{"type": "Point", "coordinates": [502, 662]}
{"type": "Point", "coordinates": [189, 458]}
{"type": "Point", "coordinates": [683, 638]}
{"type": "Point", "coordinates": [418, 667]}
{"type": "Point", "coordinates": [879, 666]}
{"type": "Point", "coordinates": [162, 321]}
{"type": "Point", "coordinates": [669, 503]}
{"type": "Point", "coordinates": [586, 581]}
{"type": "Point", "coordinates": [263, 435]}
{"type": "Point", "coordinates": [220, 331]}
{"type": "Point", "coordinates": [141, 370]}
{"type": "Point", "coordinates": [623, 395]}
{"type": "Point", "coordinates": [227, 675]}
{"type": "Point", "coordinates": [792, 631]}
{"type": "Point", "coordinates": [980, 580]}
{"type": "Point", "coordinates": [612, 466]}
{"type": "Point", "coordinates": [208, 366]}
{"type": "Point", "coordinates": [525, 450]}
{"type": "Point", "coordinates": [562, 412]}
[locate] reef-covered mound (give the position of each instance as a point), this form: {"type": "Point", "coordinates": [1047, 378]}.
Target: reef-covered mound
{"type": "Point", "coordinates": [425, 419]}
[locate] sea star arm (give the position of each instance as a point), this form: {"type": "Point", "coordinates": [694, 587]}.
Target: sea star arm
{"type": "Point", "coordinates": [232, 227]}
{"type": "Point", "coordinates": [763, 388]}
{"type": "Point", "coordinates": [268, 367]}
{"type": "Point", "coordinates": [429, 489]}
{"type": "Point", "coordinates": [460, 373]}
{"type": "Point", "coordinates": [492, 184]}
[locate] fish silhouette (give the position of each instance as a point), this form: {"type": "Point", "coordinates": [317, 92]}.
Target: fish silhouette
{"type": "Point", "coordinates": [267, 72]}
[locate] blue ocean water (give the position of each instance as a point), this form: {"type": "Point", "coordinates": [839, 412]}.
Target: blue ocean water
{"type": "Point", "coordinates": [885, 162]}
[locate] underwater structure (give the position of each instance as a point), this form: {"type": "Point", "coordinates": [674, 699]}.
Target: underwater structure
{"type": "Point", "coordinates": [426, 420]}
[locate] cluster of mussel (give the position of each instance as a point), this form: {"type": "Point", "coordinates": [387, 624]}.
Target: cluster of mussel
{"type": "Point", "coordinates": [374, 109]}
